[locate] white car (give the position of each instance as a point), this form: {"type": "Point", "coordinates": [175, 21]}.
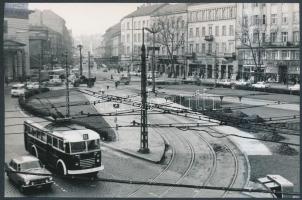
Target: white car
{"type": "Point", "coordinates": [18, 90]}
{"type": "Point", "coordinates": [261, 85]}
{"type": "Point", "coordinates": [224, 82]}
{"type": "Point", "coordinates": [55, 81]}
{"type": "Point", "coordinates": [241, 82]}
{"type": "Point", "coordinates": [295, 87]}
{"type": "Point", "coordinates": [32, 85]}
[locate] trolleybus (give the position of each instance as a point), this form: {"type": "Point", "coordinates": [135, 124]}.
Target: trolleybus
{"type": "Point", "coordinates": [69, 152]}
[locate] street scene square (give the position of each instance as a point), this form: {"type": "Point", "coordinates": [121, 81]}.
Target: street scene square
{"type": "Point", "coordinates": [152, 100]}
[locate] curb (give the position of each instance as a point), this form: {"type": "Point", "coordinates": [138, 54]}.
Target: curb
{"type": "Point", "coordinates": [129, 153]}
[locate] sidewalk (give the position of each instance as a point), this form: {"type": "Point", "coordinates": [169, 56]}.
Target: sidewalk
{"type": "Point", "coordinates": [128, 138]}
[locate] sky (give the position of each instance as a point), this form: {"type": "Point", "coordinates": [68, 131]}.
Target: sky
{"type": "Point", "coordinates": [88, 18]}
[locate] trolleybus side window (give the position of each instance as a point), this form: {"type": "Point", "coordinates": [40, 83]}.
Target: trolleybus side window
{"type": "Point", "coordinates": [43, 137]}
{"type": "Point", "coordinates": [55, 142]}
{"type": "Point", "coordinates": [49, 139]}
{"type": "Point", "coordinates": [61, 146]}
{"type": "Point", "coordinates": [67, 148]}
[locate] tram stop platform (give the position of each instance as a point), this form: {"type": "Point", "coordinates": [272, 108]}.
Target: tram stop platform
{"type": "Point", "coordinates": [128, 138]}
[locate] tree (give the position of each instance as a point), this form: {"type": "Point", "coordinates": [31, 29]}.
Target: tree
{"type": "Point", "coordinates": [252, 35]}
{"type": "Point", "coordinates": [171, 36]}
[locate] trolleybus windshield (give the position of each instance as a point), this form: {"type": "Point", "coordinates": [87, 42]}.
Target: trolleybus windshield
{"type": "Point", "coordinates": [90, 145]}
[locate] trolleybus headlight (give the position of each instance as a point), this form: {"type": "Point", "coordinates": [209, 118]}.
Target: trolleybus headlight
{"type": "Point", "coordinates": [27, 182]}
{"type": "Point", "coordinates": [77, 164]}
{"type": "Point", "coordinates": [97, 160]}
{"type": "Point", "coordinates": [50, 179]}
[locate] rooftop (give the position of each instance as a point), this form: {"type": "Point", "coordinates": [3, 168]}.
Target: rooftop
{"type": "Point", "coordinates": [171, 9]}
{"type": "Point", "coordinates": [145, 10]}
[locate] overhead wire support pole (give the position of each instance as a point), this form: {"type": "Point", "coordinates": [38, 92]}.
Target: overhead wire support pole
{"type": "Point", "coordinates": [144, 129]}
{"type": "Point", "coordinates": [81, 68]}
{"type": "Point", "coordinates": [67, 87]}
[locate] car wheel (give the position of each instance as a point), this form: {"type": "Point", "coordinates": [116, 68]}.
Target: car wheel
{"type": "Point", "coordinates": [21, 189]}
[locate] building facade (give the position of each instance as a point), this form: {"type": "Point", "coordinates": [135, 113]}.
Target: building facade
{"type": "Point", "coordinates": [16, 41]}
{"type": "Point", "coordinates": [211, 40]}
{"type": "Point", "coordinates": [131, 34]}
{"type": "Point", "coordinates": [270, 49]}
{"type": "Point", "coordinates": [170, 21]}
{"type": "Point", "coordinates": [59, 37]}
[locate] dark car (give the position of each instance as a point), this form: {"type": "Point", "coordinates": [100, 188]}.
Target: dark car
{"type": "Point", "coordinates": [28, 164]}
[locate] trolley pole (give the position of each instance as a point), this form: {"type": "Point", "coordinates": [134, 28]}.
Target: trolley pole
{"type": "Point", "coordinates": [67, 87]}
{"type": "Point", "coordinates": [144, 129]}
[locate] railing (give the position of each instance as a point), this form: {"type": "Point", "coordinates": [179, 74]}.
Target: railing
{"type": "Point", "coordinates": [209, 37]}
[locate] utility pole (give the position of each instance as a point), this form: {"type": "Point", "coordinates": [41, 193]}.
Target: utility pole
{"type": "Point", "coordinates": [81, 69]}
{"type": "Point", "coordinates": [89, 64]}
{"type": "Point", "coordinates": [144, 129]}
{"type": "Point", "coordinates": [67, 86]}
{"type": "Point", "coordinates": [41, 63]}
{"type": "Point", "coordinates": [153, 63]}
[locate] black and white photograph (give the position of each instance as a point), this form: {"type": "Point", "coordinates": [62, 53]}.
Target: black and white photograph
{"type": "Point", "coordinates": [151, 100]}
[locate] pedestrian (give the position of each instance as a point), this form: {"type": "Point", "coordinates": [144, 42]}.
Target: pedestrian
{"type": "Point", "coordinates": [107, 87]}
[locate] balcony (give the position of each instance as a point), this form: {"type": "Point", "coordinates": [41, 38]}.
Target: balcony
{"type": "Point", "coordinates": [209, 38]}
{"type": "Point", "coordinates": [229, 55]}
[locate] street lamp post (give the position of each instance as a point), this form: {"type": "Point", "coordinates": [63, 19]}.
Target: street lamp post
{"type": "Point", "coordinates": [144, 129]}
{"type": "Point", "coordinates": [153, 31]}
{"type": "Point", "coordinates": [67, 86]}
{"type": "Point", "coordinates": [81, 69]}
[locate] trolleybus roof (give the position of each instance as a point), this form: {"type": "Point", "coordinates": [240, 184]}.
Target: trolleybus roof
{"type": "Point", "coordinates": [76, 135]}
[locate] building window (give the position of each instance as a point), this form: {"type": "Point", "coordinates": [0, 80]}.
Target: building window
{"type": "Point", "coordinates": [274, 55]}
{"type": "Point", "coordinates": [223, 13]}
{"type": "Point", "coordinates": [210, 48]}
{"type": "Point", "coordinates": [245, 21]}
{"type": "Point", "coordinates": [191, 48]}
{"type": "Point", "coordinates": [231, 46]}
{"type": "Point", "coordinates": [197, 32]}
{"type": "Point", "coordinates": [274, 19]}
{"type": "Point", "coordinates": [285, 54]}
{"type": "Point", "coordinates": [128, 38]}
{"type": "Point", "coordinates": [223, 30]}
{"type": "Point", "coordinates": [182, 23]}
{"type": "Point", "coordinates": [191, 32]}
{"type": "Point", "coordinates": [255, 37]}
{"type": "Point", "coordinates": [128, 25]}
{"type": "Point", "coordinates": [197, 48]}
{"type": "Point", "coordinates": [217, 47]}
{"type": "Point", "coordinates": [263, 19]}
{"type": "Point", "coordinates": [203, 32]}
{"type": "Point", "coordinates": [231, 30]}
{"type": "Point", "coordinates": [216, 30]}
{"type": "Point", "coordinates": [296, 17]}
{"type": "Point", "coordinates": [134, 25]}
{"type": "Point", "coordinates": [273, 37]}
{"type": "Point", "coordinates": [203, 48]}
{"type": "Point", "coordinates": [143, 23]}
{"type": "Point", "coordinates": [231, 12]}
{"type": "Point", "coordinates": [139, 25]}
{"type": "Point", "coordinates": [284, 18]}
{"type": "Point", "coordinates": [223, 47]}
{"type": "Point", "coordinates": [263, 37]}
{"type": "Point", "coordinates": [296, 36]}
{"type": "Point", "coordinates": [284, 36]}
{"type": "Point", "coordinates": [190, 16]}
{"type": "Point", "coordinates": [202, 15]}
{"type": "Point", "coordinates": [210, 30]}
{"type": "Point", "coordinates": [210, 15]}
{"type": "Point", "coordinates": [216, 15]}
{"type": "Point", "coordinates": [255, 19]}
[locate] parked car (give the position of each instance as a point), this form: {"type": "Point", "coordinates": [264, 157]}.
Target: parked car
{"type": "Point", "coordinates": [29, 164]}
{"type": "Point", "coordinates": [149, 74]}
{"type": "Point", "coordinates": [242, 82]}
{"type": "Point", "coordinates": [261, 85]}
{"type": "Point", "coordinates": [295, 87]}
{"type": "Point", "coordinates": [105, 70]}
{"type": "Point", "coordinates": [18, 89]}
{"type": "Point", "coordinates": [124, 79]}
{"type": "Point", "coordinates": [32, 85]}
{"type": "Point", "coordinates": [55, 81]}
{"type": "Point", "coordinates": [224, 82]}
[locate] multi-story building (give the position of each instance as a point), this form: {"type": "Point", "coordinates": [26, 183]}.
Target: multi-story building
{"type": "Point", "coordinates": [211, 40]}
{"type": "Point", "coordinates": [112, 46]}
{"type": "Point", "coordinates": [131, 34]}
{"type": "Point", "coordinates": [16, 41]}
{"type": "Point", "coordinates": [269, 46]}
{"type": "Point", "coordinates": [171, 56]}
{"type": "Point", "coordinates": [60, 37]}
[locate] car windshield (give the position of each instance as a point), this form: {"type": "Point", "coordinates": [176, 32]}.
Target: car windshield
{"type": "Point", "coordinates": [16, 88]}
{"type": "Point", "coordinates": [93, 145]}
{"type": "Point", "coordinates": [30, 165]}
{"type": "Point", "coordinates": [77, 147]}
